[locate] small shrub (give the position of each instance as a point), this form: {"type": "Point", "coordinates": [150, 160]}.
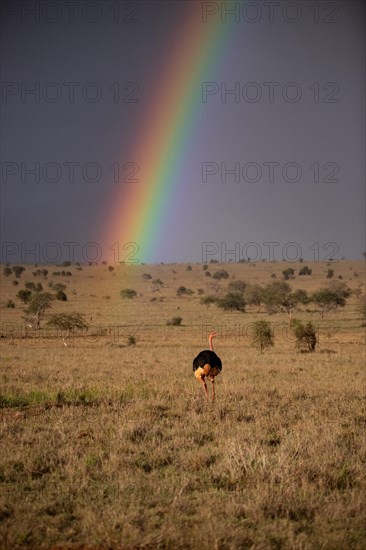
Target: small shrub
{"type": "Point", "coordinates": [131, 341]}
{"type": "Point", "coordinates": [10, 304]}
{"type": "Point", "coordinates": [60, 295]}
{"type": "Point", "coordinates": [110, 268]}
{"type": "Point", "coordinates": [189, 268]}
{"type": "Point", "coordinates": [262, 336]}
{"type": "Point", "coordinates": [330, 273]}
{"type": "Point", "coordinates": [128, 293]}
{"type": "Point", "coordinates": [288, 273]}
{"type": "Point", "coordinates": [146, 276]}
{"type": "Point", "coordinates": [305, 335]}
{"type": "Point", "coordinates": [18, 270]}
{"type": "Point", "coordinates": [205, 267]}
{"type": "Point", "coordinates": [208, 300]}
{"type": "Point", "coordinates": [30, 286]}
{"type": "Point", "coordinates": [305, 270]}
{"type": "Point", "coordinates": [208, 274]}
{"type": "Point", "coordinates": [237, 286]}
{"type": "Point", "coordinates": [15, 283]}
{"type": "Point", "coordinates": [7, 271]}
{"type": "Point", "coordinates": [183, 291]}
{"type": "Point", "coordinates": [175, 321]}
{"type": "Point", "coordinates": [220, 274]}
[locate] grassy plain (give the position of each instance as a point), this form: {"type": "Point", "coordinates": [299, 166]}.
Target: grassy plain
{"type": "Point", "coordinates": [111, 445]}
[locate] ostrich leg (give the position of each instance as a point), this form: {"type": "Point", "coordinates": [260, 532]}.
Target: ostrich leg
{"type": "Point", "coordinates": [213, 388]}
{"type": "Point", "coordinates": [204, 386]}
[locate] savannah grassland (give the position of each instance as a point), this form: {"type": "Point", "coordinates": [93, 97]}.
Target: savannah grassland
{"type": "Point", "coordinates": [111, 445]}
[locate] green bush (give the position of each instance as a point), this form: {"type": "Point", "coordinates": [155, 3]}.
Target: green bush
{"type": "Point", "coordinates": [305, 335]}
{"type": "Point", "coordinates": [232, 301]}
{"type": "Point", "coordinates": [262, 335]}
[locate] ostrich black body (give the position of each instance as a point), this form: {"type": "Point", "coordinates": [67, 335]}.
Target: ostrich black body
{"type": "Point", "coordinates": [207, 357]}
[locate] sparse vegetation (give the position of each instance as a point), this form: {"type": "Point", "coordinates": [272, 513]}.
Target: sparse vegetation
{"type": "Point", "coordinates": [111, 444]}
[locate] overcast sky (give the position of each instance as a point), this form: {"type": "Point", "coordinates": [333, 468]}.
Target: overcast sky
{"type": "Point", "coordinates": [297, 145]}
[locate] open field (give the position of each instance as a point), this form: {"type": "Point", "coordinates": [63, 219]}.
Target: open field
{"type": "Point", "coordinates": [111, 445]}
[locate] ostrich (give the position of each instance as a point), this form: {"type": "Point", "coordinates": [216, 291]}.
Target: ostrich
{"type": "Point", "coordinates": [207, 363]}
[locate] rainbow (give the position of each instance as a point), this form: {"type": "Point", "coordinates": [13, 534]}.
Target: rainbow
{"type": "Point", "coordinates": [166, 132]}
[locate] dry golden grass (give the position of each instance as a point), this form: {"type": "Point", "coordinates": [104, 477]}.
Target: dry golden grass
{"type": "Point", "coordinates": [106, 445]}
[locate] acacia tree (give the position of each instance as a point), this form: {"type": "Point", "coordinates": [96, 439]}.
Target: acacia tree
{"type": "Point", "coordinates": [37, 307]}
{"type": "Point", "coordinates": [327, 301]}
{"type": "Point", "coordinates": [68, 322]}
{"type": "Point", "coordinates": [253, 295]}
{"type": "Point", "coordinates": [275, 294]}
